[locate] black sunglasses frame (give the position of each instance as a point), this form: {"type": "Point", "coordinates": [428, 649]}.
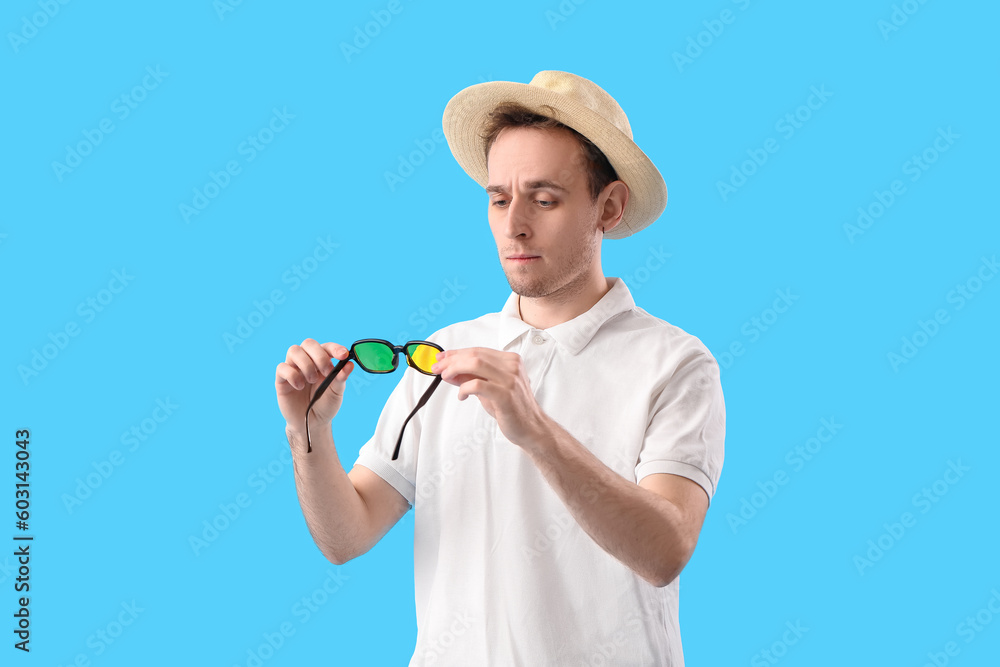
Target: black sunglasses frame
{"type": "Point", "coordinates": [396, 349]}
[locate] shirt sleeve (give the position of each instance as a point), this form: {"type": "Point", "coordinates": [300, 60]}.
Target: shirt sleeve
{"type": "Point", "coordinates": [376, 454]}
{"type": "Point", "coordinates": [687, 426]}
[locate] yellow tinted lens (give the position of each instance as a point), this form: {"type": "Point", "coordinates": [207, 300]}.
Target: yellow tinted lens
{"type": "Point", "coordinates": [423, 356]}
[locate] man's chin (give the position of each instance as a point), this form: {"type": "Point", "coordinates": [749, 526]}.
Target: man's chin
{"type": "Point", "coordinates": [528, 282]}
{"type": "Point", "coordinates": [529, 291]}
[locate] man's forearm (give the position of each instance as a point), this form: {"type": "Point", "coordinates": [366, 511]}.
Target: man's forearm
{"type": "Point", "coordinates": [333, 510]}
{"type": "Point", "coordinates": [640, 528]}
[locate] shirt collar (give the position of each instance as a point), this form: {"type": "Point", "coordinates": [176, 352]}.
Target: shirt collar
{"type": "Point", "coordinates": [574, 334]}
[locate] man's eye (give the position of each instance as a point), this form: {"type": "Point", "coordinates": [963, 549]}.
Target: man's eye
{"type": "Point", "coordinates": [544, 202]}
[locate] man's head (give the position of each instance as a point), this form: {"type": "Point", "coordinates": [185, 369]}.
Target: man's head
{"type": "Point", "coordinates": [552, 195]}
{"type": "Point", "coordinates": [577, 103]}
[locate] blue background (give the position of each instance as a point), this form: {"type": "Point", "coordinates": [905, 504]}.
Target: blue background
{"type": "Point", "coordinates": [793, 555]}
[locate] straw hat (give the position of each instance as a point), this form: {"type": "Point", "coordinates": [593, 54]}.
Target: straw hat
{"type": "Point", "coordinates": [582, 105]}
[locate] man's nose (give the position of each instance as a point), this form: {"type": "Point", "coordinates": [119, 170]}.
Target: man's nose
{"type": "Point", "coordinates": [518, 217]}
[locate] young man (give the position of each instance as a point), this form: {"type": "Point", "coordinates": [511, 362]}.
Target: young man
{"type": "Point", "coordinates": [554, 512]}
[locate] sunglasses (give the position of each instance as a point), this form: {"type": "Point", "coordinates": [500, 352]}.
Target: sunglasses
{"type": "Point", "coordinates": [375, 355]}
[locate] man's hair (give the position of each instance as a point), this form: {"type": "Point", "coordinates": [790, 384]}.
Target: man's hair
{"type": "Point", "coordinates": [511, 114]}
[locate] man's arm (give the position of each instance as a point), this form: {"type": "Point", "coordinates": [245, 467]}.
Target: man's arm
{"type": "Point", "coordinates": [346, 514]}
{"type": "Point", "coordinates": [652, 527]}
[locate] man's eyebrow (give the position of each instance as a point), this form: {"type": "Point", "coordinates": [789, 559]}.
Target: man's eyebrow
{"type": "Point", "coordinates": [531, 185]}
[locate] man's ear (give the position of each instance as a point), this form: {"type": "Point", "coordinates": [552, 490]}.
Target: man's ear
{"type": "Point", "coordinates": [613, 200]}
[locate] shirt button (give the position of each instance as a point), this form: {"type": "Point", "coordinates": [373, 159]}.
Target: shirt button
{"type": "Point", "coordinates": [537, 340]}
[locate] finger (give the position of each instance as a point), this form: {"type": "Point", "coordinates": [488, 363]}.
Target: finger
{"type": "Point", "coordinates": [339, 353]}
{"type": "Point", "coordinates": [298, 357]}
{"type": "Point", "coordinates": [475, 386]}
{"type": "Point", "coordinates": [336, 351]}
{"type": "Point", "coordinates": [319, 355]}
{"type": "Point", "coordinates": [472, 366]}
{"type": "Point", "coordinates": [288, 375]}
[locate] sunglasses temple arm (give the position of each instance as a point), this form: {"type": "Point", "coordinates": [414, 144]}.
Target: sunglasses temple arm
{"type": "Point", "coordinates": [420, 404]}
{"type": "Point", "coordinates": [319, 392]}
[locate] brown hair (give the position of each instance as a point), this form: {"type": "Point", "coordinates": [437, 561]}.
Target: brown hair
{"type": "Point", "coordinates": [511, 114]}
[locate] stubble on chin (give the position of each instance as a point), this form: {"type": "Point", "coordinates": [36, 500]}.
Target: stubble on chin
{"type": "Point", "coordinates": [569, 280]}
{"type": "Point", "coordinates": [533, 282]}
{"type": "Point", "coordinates": [529, 289]}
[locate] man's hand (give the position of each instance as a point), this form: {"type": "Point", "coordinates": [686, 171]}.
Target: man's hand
{"type": "Point", "coordinates": [499, 381]}
{"type": "Point", "coordinates": [296, 379]}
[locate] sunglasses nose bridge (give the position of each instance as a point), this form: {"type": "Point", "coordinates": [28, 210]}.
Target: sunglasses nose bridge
{"type": "Point", "coordinates": [402, 349]}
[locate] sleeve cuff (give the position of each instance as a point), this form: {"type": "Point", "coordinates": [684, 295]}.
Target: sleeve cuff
{"type": "Point", "coordinates": [384, 470]}
{"type": "Point", "coordinates": [677, 468]}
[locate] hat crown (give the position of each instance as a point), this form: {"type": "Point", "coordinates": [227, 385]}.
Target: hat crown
{"type": "Point", "coordinates": [586, 93]}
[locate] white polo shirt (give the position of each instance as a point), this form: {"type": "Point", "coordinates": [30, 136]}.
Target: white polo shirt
{"type": "Point", "coordinates": [503, 574]}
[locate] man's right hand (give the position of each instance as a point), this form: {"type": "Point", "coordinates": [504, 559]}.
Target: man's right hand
{"type": "Point", "coordinates": [296, 378]}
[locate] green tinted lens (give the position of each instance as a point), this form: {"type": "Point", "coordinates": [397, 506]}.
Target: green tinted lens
{"type": "Point", "coordinates": [374, 356]}
{"type": "Point", "coordinates": [423, 356]}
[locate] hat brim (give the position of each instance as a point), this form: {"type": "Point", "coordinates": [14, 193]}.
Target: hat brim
{"type": "Point", "coordinates": [467, 112]}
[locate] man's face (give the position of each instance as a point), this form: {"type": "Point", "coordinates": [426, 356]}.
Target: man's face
{"type": "Point", "coordinates": [540, 206]}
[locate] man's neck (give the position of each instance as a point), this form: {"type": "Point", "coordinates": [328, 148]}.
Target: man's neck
{"type": "Point", "coordinates": [546, 312]}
